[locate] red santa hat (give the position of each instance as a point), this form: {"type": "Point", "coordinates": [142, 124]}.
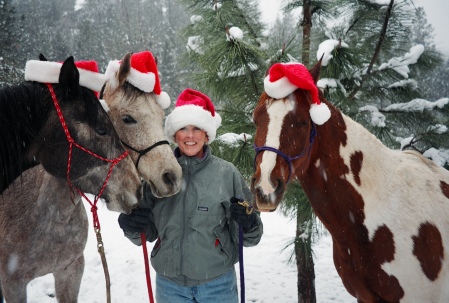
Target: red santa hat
{"type": "Point", "coordinates": [48, 72]}
{"type": "Point", "coordinates": [143, 75]}
{"type": "Point", "coordinates": [193, 108]}
{"type": "Point", "coordinates": [284, 78]}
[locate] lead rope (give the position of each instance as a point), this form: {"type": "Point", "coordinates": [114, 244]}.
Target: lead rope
{"type": "Point", "coordinates": [94, 208]}
{"type": "Point", "coordinates": [249, 211]}
{"type": "Point", "coordinates": [143, 239]}
{"type": "Point", "coordinates": [242, 273]}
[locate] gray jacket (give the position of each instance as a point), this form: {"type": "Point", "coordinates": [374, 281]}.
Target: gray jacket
{"type": "Point", "coordinates": [196, 239]}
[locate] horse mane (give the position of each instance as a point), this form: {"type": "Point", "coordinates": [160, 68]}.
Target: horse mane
{"type": "Point", "coordinates": [22, 114]}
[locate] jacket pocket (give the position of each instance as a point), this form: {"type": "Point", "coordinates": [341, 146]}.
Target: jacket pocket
{"type": "Point", "coordinates": [156, 247]}
{"type": "Point", "coordinates": [223, 241]}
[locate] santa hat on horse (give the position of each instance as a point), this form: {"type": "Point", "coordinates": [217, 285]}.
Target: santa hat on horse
{"type": "Point", "coordinates": [284, 78]}
{"type": "Point", "coordinates": [48, 72]}
{"type": "Point", "coordinates": [143, 75]}
{"type": "Point", "coordinates": [193, 108]}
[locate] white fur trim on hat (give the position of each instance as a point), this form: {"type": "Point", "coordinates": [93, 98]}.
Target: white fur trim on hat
{"type": "Point", "coordinates": [143, 81]}
{"type": "Point", "coordinates": [91, 80]}
{"type": "Point", "coordinates": [278, 89]}
{"type": "Point", "coordinates": [190, 114]}
{"type": "Point", "coordinates": [48, 72]}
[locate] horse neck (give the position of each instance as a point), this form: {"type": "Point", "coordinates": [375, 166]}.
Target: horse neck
{"type": "Point", "coordinates": [40, 196]}
{"type": "Point", "coordinates": [55, 196]}
{"type": "Point", "coordinates": [341, 148]}
{"type": "Point", "coordinates": [23, 111]}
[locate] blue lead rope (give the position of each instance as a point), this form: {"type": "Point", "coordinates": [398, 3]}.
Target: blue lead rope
{"type": "Point", "coordinates": [242, 274]}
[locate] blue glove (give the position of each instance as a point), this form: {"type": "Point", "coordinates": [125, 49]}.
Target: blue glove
{"type": "Point", "coordinates": [137, 221]}
{"type": "Point", "coordinates": [243, 215]}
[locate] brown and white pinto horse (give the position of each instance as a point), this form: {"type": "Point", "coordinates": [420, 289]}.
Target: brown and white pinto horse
{"type": "Point", "coordinates": [386, 210]}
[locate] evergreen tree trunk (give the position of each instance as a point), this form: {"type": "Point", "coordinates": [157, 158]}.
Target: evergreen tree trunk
{"type": "Point", "coordinates": [306, 30]}
{"type": "Point", "coordinates": [303, 250]}
{"type": "Point", "coordinates": [305, 266]}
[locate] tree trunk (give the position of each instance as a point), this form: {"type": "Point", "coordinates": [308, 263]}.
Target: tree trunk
{"type": "Point", "coordinates": [306, 30]}
{"type": "Point", "coordinates": [305, 266]}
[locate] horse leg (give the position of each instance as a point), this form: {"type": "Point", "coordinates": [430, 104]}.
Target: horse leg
{"type": "Point", "coordinates": [14, 291]}
{"type": "Point", "coordinates": [68, 281]}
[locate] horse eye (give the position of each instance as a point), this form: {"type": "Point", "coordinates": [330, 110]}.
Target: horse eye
{"type": "Point", "coordinates": [101, 131]}
{"type": "Point", "coordinates": [128, 119]}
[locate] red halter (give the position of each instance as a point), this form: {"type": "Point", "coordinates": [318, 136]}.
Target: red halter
{"type": "Point", "coordinates": [72, 143]}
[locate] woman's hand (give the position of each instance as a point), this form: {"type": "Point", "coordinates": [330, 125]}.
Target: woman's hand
{"type": "Point", "coordinates": [137, 221]}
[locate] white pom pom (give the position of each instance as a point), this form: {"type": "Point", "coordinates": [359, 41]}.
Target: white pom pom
{"type": "Point", "coordinates": [319, 113]}
{"type": "Point", "coordinates": [163, 100]}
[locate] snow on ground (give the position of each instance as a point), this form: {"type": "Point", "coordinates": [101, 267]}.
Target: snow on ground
{"type": "Point", "coordinates": [268, 276]}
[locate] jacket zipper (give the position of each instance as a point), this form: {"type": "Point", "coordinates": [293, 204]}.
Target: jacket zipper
{"type": "Point", "coordinates": [181, 245]}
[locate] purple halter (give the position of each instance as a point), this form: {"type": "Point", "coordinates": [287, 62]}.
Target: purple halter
{"type": "Point", "coordinates": [284, 156]}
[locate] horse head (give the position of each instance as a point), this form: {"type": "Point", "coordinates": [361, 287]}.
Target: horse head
{"type": "Point", "coordinates": [283, 141]}
{"type": "Point", "coordinates": [89, 126]}
{"type": "Point", "coordinates": [138, 118]}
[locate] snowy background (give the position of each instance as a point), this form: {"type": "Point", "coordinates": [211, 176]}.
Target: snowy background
{"type": "Point", "coordinates": [268, 276]}
{"type": "Point", "coordinates": [436, 11]}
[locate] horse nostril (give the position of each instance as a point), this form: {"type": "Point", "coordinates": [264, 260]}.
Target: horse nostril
{"type": "Point", "coordinates": [169, 179]}
{"type": "Point", "coordinates": [280, 183]}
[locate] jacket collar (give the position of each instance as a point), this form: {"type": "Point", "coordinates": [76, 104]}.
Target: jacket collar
{"type": "Point", "coordinates": [193, 162]}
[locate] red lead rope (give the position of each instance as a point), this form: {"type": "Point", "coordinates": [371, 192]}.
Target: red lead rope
{"type": "Point", "coordinates": [143, 239]}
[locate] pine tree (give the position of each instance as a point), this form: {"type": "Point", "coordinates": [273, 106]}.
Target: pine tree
{"type": "Point", "coordinates": [226, 54]}
{"type": "Point", "coordinates": [375, 70]}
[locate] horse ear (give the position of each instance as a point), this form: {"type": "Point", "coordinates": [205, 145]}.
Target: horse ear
{"type": "Point", "coordinates": [69, 75]}
{"type": "Point", "coordinates": [42, 58]}
{"type": "Point", "coordinates": [125, 68]}
{"type": "Point", "coordinates": [268, 69]}
{"type": "Point", "coordinates": [315, 71]}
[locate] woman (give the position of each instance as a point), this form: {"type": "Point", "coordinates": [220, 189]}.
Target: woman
{"type": "Point", "coordinates": [196, 230]}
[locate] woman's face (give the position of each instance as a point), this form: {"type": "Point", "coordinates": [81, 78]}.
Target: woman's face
{"type": "Point", "coordinates": [191, 140]}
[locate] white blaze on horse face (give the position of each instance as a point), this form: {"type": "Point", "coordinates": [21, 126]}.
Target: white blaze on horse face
{"type": "Point", "coordinates": [277, 111]}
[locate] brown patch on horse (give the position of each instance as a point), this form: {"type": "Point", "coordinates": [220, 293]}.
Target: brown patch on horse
{"type": "Point", "coordinates": [428, 249]}
{"type": "Point", "coordinates": [356, 166]}
{"type": "Point", "coordinates": [383, 249]}
{"type": "Point", "coordinates": [444, 188]}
